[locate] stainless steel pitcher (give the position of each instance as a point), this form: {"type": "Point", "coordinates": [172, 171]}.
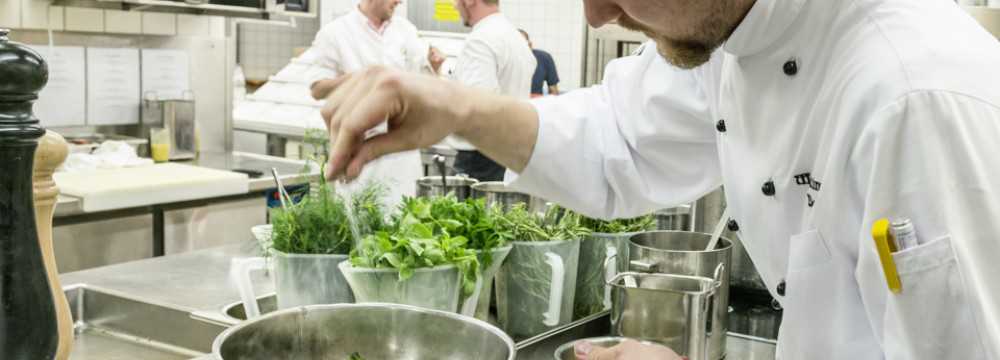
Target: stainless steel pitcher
{"type": "Point", "coordinates": [498, 194]}
{"type": "Point", "coordinates": [674, 310]}
{"type": "Point", "coordinates": [683, 253]}
{"type": "Point", "coordinates": [439, 186]}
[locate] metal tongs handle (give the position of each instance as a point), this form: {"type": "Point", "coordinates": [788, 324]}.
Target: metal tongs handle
{"type": "Point", "coordinates": [282, 193]}
{"type": "Point", "coordinates": [442, 168]}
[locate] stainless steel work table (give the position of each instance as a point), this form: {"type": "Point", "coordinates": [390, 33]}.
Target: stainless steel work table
{"type": "Point", "coordinates": [177, 301]}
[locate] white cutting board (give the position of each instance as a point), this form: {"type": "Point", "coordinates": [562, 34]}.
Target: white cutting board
{"type": "Point", "coordinates": [110, 189]}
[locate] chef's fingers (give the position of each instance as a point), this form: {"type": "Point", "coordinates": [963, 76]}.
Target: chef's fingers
{"type": "Point", "coordinates": [322, 88]}
{"type": "Point", "coordinates": [340, 88]}
{"type": "Point", "coordinates": [346, 87]}
{"type": "Point", "coordinates": [345, 133]}
{"type": "Point", "coordinates": [378, 146]}
{"type": "Point", "coordinates": [370, 111]}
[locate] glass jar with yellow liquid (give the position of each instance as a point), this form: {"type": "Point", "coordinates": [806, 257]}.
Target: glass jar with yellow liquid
{"type": "Point", "coordinates": [159, 144]}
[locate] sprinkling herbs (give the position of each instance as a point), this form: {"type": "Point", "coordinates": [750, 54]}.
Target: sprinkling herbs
{"type": "Point", "coordinates": [318, 224]}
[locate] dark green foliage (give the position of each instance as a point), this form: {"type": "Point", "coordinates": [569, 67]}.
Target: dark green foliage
{"type": "Point", "coordinates": [644, 223]}
{"type": "Point", "coordinates": [319, 224]}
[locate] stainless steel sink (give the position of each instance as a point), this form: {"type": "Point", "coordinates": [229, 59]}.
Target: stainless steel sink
{"type": "Point", "coordinates": [237, 312]}
{"type": "Point", "coordinates": [110, 326]}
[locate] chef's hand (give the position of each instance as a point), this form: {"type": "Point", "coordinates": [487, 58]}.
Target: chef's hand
{"type": "Point", "coordinates": [627, 350]}
{"type": "Point", "coordinates": [436, 58]}
{"type": "Point", "coordinates": [421, 110]}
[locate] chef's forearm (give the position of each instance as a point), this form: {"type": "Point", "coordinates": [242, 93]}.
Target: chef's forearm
{"type": "Point", "coordinates": [502, 128]}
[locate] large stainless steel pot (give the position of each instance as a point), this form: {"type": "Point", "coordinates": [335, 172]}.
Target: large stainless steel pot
{"type": "Point", "coordinates": [437, 186]}
{"type": "Point", "coordinates": [683, 253]}
{"type": "Point", "coordinates": [373, 331]}
{"type": "Point", "coordinates": [496, 193]}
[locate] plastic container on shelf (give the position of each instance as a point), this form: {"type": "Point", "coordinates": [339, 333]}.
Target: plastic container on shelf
{"type": "Point", "coordinates": [536, 287]}
{"type": "Point", "coordinates": [436, 288]}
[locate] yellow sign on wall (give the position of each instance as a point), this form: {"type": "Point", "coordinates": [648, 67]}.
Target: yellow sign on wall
{"type": "Point", "coordinates": [444, 11]}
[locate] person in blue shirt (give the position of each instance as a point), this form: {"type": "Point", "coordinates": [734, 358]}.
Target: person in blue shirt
{"type": "Point", "coordinates": [545, 73]}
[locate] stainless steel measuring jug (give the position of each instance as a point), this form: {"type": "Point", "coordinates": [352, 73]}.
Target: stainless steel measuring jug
{"type": "Point", "coordinates": [684, 253]}
{"type": "Point", "coordinates": [670, 309]}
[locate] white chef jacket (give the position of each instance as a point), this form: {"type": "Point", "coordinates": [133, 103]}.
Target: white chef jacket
{"type": "Point", "coordinates": [819, 117]}
{"type": "Point", "coordinates": [351, 43]}
{"type": "Point", "coordinates": [495, 58]}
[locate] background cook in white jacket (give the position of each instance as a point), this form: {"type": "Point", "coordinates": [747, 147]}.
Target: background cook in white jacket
{"type": "Point", "coordinates": [818, 116]}
{"type": "Point", "coordinates": [495, 58]}
{"type": "Point", "coordinates": [371, 35]}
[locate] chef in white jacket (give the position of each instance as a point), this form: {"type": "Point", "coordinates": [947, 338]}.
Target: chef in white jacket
{"type": "Point", "coordinates": [818, 116]}
{"type": "Point", "coordinates": [495, 58]}
{"type": "Point", "coordinates": [370, 35]}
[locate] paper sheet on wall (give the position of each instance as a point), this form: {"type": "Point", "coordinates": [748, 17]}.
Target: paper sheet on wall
{"type": "Point", "coordinates": [444, 10]}
{"type": "Point", "coordinates": [113, 92]}
{"type": "Point", "coordinates": [63, 100]}
{"type": "Point", "coordinates": [165, 74]}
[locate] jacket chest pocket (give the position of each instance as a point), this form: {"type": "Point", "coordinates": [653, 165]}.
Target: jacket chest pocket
{"type": "Point", "coordinates": [931, 318]}
{"type": "Point", "coordinates": [395, 55]}
{"type": "Point", "coordinates": [822, 317]}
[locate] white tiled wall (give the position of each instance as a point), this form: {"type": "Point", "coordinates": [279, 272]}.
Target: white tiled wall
{"type": "Point", "coordinates": [265, 49]}
{"type": "Point", "coordinates": [556, 26]}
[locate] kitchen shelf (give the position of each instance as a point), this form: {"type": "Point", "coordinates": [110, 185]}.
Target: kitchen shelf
{"type": "Point", "coordinates": [169, 7]}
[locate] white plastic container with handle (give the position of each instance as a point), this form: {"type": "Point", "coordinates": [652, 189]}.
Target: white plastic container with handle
{"type": "Point", "coordinates": [536, 287]}
{"type": "Point", "coordinates": [299, 280]}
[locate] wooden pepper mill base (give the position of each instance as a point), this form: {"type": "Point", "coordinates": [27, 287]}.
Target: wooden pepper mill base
{"type": "Point", "coordinates": [52, 151]}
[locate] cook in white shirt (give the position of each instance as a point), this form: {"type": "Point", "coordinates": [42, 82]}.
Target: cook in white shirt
{"type": "Point", "coordinates": [496, 59]}
{"type": "Point", "coordinates": [818, 116]}
{"type": "Point", "coordinates": [371, 35]}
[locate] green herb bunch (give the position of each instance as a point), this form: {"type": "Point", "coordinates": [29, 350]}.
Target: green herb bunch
{"type": "Point", "coordinates": [470, 219]}
{"type": "Point", "coordinates": [556, 224]}
{"type": "Point", "coordinates": [411, 245]}
{"type": "Point", "coordinates": [319, 224]}
{"type": "Point", "coordinates": [642, 223]}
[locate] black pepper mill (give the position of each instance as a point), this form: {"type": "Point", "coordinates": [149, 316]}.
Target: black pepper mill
{"type": "Point", "coordinates": [27, 313]}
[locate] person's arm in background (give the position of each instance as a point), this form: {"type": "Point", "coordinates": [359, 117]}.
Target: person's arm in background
{"type": "Point", "coordinates": [325, 57]}
{"type": "Point", "coordinates": [551, 75]}
{"type": "Point", "coordinates": [596, 150]}
{"type": "Point", "coordinates": [421, 56]}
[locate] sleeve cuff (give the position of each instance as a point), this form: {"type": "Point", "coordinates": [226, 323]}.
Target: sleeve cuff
{"type": "Point", "coordinates": [545, 146]}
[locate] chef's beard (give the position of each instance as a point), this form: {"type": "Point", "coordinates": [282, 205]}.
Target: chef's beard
{"type": "Point", "coordinates": [683, 53]}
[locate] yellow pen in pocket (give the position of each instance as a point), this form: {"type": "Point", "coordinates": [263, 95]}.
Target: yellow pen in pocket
{"type": "Point", "coordinates": [886, 246]}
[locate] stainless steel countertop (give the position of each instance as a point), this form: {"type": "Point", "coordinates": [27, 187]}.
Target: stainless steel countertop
{"type": "Point", "coordinates": [291, 172]}
{"type": "Point", "coordinates": [198, 282]}
{"type": "Point", "coordinates": [194, 281]}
